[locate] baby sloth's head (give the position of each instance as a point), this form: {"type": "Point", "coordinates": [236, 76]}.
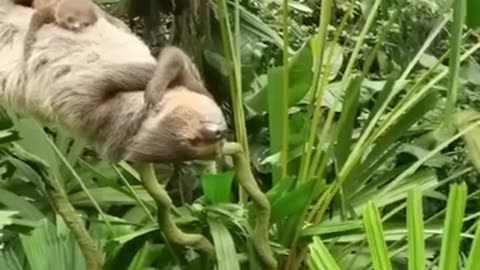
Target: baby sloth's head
{"type": "Point", "coordinates": [185, 125]}
{"type": "Point", "coordinates": [75, 15]}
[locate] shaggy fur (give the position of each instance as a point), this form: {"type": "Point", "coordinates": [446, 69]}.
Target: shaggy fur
{"type": "Point", "coordinates": [73, 15]}
{"type": "Point", "coordinates": [94, 82]}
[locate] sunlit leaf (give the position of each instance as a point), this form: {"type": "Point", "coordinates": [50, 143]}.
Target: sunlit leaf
{"type": "Point", "coordinates": [474, 254]}
{"type": "Point", "coordinates": [416, 244]}
{"type": "Point", "coordinates": [24, 207]}
{"type": "Point", "coordinates": [320, 258]}
{"type": "Point", "coordinates": [217, 187]}
{"type": "Point", "coordinates": [453, 226]}
{"type": "Point", "coordinates": [224, 246]}
{"type": "Point", "coordinates": [375, 237]}
{"type": "Point", "coordinates": [46, 250]}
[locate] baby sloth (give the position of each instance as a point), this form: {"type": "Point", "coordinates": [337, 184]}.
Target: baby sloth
{"type": "Point", "coordinates": [73, 15]}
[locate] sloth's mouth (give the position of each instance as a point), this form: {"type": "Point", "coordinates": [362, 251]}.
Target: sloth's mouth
{"type": "Point", "coordinates": [205, 141]}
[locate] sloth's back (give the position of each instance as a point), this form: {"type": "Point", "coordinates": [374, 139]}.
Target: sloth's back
{"type": "Point", "coordinates": [61, 60]}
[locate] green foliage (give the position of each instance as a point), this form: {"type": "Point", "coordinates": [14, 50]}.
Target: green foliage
{"type": "Point", "coordinates": [369, 85]}
{"type": "Point", "coordinates": [473, 7]}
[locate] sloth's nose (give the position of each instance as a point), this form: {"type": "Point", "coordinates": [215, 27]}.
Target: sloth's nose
{"type": "Point", "coordinates": [213, 132]}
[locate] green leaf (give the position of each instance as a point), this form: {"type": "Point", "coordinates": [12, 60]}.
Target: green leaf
{"type": "Point", "coordinates": [473, 9]}
{"type": "Point", "coordinates": [107, 196]}
{"type": "Point", "coordinates": [217, 187]}
{"type": "Point", "coordinates": [347, 121]}
{"type": "Point", "coordinates": [386, 90]}
{"type": "Point", "coordinates": [34, 141]}
{"type": "Point", "coordinates": [474, 255]}
{"type": "Point", "coordinates": [300, 79]}
{"type": "Point", "coordinates": [327, 229]}
{"type": "Point", "coordinates": [389, 139]}
{"type": "Point", "coordinates": [416, 243]}
{"type": "Point", "coordinates": [15, 202]}
{"type": "Point", "coordinates": [472, 137]}
{"type": "Point", "coordinates": [291, 203]}
{"type": "Point", "coordinates": [25, 172]}
{"type": "Point", "coordinates": [450, 249]}
{"type": "Point", "coordinates": [252, 24]}
{"type": "Point", "coordinates": [275, 112]}
{"type": "Point", "coordinates": [47, 250]}
{"type": "Point", "coordinates": [224, 246]}
{"type": "Point", "coordinates": [9, 260]}
{"type": "Point", "coordinates": [278, 190]}
{"type": "Point", "coordinates": [8, 136]}
{"type": "Point", "coordinates": [6, 217]}
{"type": "Point", "coordinates": [9, 221]}
{"type": "Point", "coordinates": [375, 238]}
{"type": "Point", "coordinates": [320, 258]}
{"type": "Point", "coordinates": [144, 257]}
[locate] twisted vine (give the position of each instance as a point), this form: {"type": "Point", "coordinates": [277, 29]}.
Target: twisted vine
{"type": "Point", "coordinates": [247, 181]}
{"type": "Point", "coordinates": [64, 208]}
{"type": "Point", "coordinates": [164, 204]}
{"type": "Point", "coordinates": [165, 222]}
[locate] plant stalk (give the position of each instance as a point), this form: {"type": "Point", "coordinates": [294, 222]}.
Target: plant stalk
{"type": "Point", "coordinates": [285, 88]}
{"type": "Point", "coordinates": [459, 13]}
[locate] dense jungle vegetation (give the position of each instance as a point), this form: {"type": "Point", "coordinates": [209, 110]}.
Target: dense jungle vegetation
{"type": "Point", "coordinates": [359, 119]}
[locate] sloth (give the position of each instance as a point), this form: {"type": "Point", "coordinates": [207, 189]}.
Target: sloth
{"type": "Point", "coordinates": [104, 85]}
{"type": "Point", "coordinates": [72, 15]}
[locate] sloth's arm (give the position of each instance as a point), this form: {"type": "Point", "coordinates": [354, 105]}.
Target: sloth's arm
{"type": "Point", "coordinates": [27, 3]}
{"type": "Point", "coordinates": [39, 18]}
{"type": "Point", "coordinates": [126, 77]}
{"type": "Point", "coordinates": [171, 62]}
{"type": "Point", "coordinates": [174, 68]}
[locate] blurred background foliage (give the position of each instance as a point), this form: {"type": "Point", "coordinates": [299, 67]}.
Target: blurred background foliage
{"type": "Point", "coordinates": [361, 120]}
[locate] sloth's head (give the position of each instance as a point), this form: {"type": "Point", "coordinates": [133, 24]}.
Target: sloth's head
{"type": "Point", "coordinates": [75, 15]}
{"type": "Point", "coordinates": [184, 125]}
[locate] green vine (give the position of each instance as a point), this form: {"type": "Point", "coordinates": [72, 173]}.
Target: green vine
{"type": "Point", "coordinates": [164, 205]}
{"type": "Point", "coordinates": [64, 208]}
{"type": "Point", "coordinates": [247, 181]}
{"type": "Point", "coordinates": [198, 241]}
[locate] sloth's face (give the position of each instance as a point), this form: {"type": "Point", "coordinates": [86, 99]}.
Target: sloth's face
{"type": "Point", "coordinates": [185, 126]}
{"type": "Point", "coordinates": [75, 15]}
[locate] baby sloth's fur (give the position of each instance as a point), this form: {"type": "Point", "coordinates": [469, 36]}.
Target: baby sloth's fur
{"type": "Point", "coordinates": [94, 83]}
{"type": "Point", "coordinates": [72, 15]}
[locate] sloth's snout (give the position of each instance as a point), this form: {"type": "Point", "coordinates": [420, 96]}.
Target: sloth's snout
{"type": "Point", "coordinates": [213, 132]}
